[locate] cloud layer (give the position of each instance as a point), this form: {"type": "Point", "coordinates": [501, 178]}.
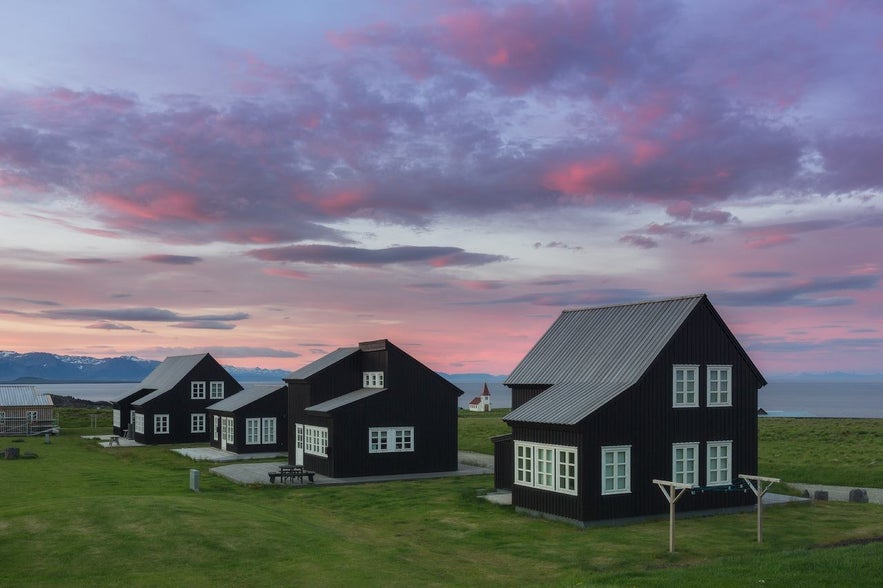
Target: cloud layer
{"type": "Point", "coordinates": [506, 158]}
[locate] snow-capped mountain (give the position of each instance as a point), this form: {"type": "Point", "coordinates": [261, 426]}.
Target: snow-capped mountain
{"type": "Point", "coordinates": [48, 366]}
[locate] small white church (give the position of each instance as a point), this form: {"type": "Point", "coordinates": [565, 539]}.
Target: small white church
{"type": "Point", "coordinates": [481, 403]}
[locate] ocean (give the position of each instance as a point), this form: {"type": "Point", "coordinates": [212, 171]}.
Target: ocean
{"type": "Point", "coordinates": [799, 399]}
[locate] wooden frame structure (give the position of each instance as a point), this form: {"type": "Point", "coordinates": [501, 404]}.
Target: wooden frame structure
{"type": "Point", "coordinates": [759, 485]}
{"type": "Point", "coordinates": [672, 492]}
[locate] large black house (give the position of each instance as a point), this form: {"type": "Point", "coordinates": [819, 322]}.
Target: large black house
{"type": "Point", "coordinates": [611, 398]}
{"type": "Point", "coordinates": [371, 410]}
{"type": "Point", "coordinates": [169, 405]}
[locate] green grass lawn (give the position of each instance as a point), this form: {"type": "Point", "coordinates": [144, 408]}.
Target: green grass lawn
{"type": "Point", "coordinates": [80, 514]}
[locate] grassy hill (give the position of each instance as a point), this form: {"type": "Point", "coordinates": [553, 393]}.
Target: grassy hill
{"type": "Point", "coordinates": [80, 514]}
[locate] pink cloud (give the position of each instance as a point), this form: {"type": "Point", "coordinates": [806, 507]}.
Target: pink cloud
{"type": "Point", "coordinates": [282, 272]}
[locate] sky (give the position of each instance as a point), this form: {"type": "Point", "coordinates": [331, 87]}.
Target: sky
{"type": "Point", "coordinates": [271, 180]}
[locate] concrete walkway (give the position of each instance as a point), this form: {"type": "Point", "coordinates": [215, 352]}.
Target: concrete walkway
{"type": "Point", "coordinates": [256, 473]}
{"type": "Point", "coordinates": [838, 493]}
{"type": "Point", "coordinates": [215, 454]}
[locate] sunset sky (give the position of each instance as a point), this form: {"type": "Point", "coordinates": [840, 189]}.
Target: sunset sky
{"type": "Point", "coordinates": [271, 180]}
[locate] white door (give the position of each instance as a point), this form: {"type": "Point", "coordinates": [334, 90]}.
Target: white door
{"type": "Point", "coordinates": [298, 444]}
{"type": "Point", "coordinates": [224, 425]}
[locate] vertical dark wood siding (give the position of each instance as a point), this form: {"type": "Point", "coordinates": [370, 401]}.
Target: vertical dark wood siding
{"type": "Point", "coordinates": [643, 417]}
{"type": "Point", "coordinates": [415, 396]}
{"type": "Point", "coordinates": [178, 405]}
{"type": "Point", "coordinates": [124, 405]}
{"type": "Point", "coordinates": [522, 394]}
{"type": "Point", "coordinates": [504, 462]}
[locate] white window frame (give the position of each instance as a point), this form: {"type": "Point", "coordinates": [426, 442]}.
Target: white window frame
{"type": "Point", "coordinates": [566, 474]}
{"type": "Point", "coordinates": [2, 416]}
{"type": "Point", "coordinates": [616, 468]}
{"type": "Point", "coordinates": [197, 422]}
{"type": "Point", "coordinates": [160, 424]}
{"type": "Point", "coordinates": [524, 464]}
{"type": "Point", "coordinates": [215, 421]}
{"type": "Point", "coordinates": [390, 439]}
{"type": "Point", "coordinates": [539, 465]}
{"type": "Point", "coordinates": [228, 429]}
{"type": "Point", "coordinates": [216, 390]}
{"type": "Point", "coordinates": [268, 430]}
{"type": "Point", "coordinates": [139, 423]}
{"type": "Point", "coordinates": [372, 379]}
{"type": "Point", "coordinates": [544, 467]}
{"type": "Point", "coordinates": [253, 431]}
{"type": "Point", "coordinates": [684, 402]}
{"type": "Point", "coordinates": [686, 475]}
{"type": "Point", "coordinates": [713, 458]}
{"type": "Point", "coordinates": [31, 416]}
{"type": "Point", "coordinates": [316, 440]}
{"type": "Point", "coordinates": [719, 389]}
{"type": "Point", "coordinates": [197, 390]}
{"type": "Point", "coordinates": [116, 418]}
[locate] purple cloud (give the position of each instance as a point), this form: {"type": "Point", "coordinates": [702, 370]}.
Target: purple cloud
{"type": "Point", "coordinates": [330, 254]}
{"type": "Point", "coordinates": [172, 259]}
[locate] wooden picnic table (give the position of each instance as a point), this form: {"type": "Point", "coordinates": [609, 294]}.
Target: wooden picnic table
{"type": "Point", "coordinates": [291, 472]}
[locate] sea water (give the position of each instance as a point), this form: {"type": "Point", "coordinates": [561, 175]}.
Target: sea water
{"type": "Point", "coordinates": [808, 399]}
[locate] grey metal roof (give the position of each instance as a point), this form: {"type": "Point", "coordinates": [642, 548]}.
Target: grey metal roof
{"type": "Point", "coordinates": [321, 363]}
{"type": "Point", "coordinates": [22, 395]}
{"type": "Point", "coordinates": [164, 376]}
{"type": "Point", "coordinates": [246, 396]}
{"type": "Point", "coordinates": [345, 399]}
{"type": "Point", "coordinates": [588, 356]}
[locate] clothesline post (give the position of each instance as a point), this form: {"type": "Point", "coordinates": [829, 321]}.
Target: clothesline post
{"type": "Point", "coordinates": [759, 485]}
{"type": "Point", "coordinates": [672, 492]}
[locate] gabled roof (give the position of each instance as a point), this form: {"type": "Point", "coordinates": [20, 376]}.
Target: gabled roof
{"type": "Point", "coordinates": [476, 400]}
{"type": "Point", "coordinates": [321, 363]}
{"type": "Point", "coordinates": [345, 399]}
{"type": "Point", "coordinates": [164, 376]}
{"type": "Point", "coordinates": [22, 395]}
{"type": "Point", "coordinates": [591, 355]}
{"type": "Point", "coordinates": [247, 396]}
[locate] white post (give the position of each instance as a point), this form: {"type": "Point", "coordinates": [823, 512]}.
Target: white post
{"type": "Point", "coordinates": [668, 490]}
{"type": "Point", "coordinates": [759, 486]}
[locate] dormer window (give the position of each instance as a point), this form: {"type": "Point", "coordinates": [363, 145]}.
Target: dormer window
{"type": "Point", "coordinates": [372, 379]}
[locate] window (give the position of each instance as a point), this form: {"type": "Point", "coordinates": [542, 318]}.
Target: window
{"type": "Point", "coordinates": [372, 379]}
{"type": "Point", "coordinates": [566, 470]}
{"type": "Point", "coordinates": [683, 465]}
{"type": "Point", "coordinates": [524, 464]}
{"type": "Point", "coordinates": [719, 385]}
{"type": "Point", "coordinates": [316, 440]}
{"type": "Point", "coordinates": [616, 467]}
{"type": "Point", "coordinates": [2, 417]}
{"type": "Point", "coordinates": [268, 428]}
{"type": "Point", "coordinates": [216, 391]}
{"type": "Point", "coordinates": [116, 418]}
{"type": "Point", "coordinates": [215, 428]}
{"type": "Point", "coordinates": [32, 416]}
{"type": "Point", "coordinates": [160, 424]}
{"type": "Point", "coordinates": [139, 423]}
{"type": "Point", "coordinates": [252, 431]}
{"type": "Point", "coordinates": [197, 390]}
{"type": "Point", "coordinates": [390, 439]}
{"type": "Point", "coordinates": [684, 386]}
{"type": "Point", "coordinates": [197, 423]}
{"type": "Point", "coordinates": [719, 472]}
{"type": "Point", "coordinates": [545, 464]}
{"type": "Point", "coordinates": [548, 467]}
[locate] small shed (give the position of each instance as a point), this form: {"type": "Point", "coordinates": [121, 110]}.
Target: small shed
{"type": "Point", "coordinates": [25, 411]}
{"type": "Point", "coordinates": [254, 420]}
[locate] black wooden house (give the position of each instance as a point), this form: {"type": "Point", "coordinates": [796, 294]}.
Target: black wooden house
{"type": "Point", "coordinates": [371, 410]}
{"type": "Point", "coordinates": [251, 421]}
{"type": "Point", "coordinates": [611, 398]}
{"type": "Point", "coordinates": [179, 390]}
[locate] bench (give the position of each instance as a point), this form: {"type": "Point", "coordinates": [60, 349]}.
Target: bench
{"type": "Point", "coordinates": [291, 472]}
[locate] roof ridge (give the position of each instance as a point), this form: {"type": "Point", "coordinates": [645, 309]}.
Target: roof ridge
{"type": "Point", "coordinates": [638, 303]}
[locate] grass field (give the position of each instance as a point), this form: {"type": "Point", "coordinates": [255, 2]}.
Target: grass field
{"type": "Point", "coordinates": [83, 515]}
